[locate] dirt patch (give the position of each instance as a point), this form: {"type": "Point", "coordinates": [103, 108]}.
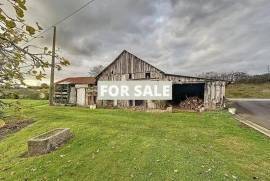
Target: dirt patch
{"type": "Point", "coordinates": [13, 127]}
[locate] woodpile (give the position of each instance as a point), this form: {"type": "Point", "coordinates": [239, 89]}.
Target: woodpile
{"type": "Point", "coordinates": [191, 103]}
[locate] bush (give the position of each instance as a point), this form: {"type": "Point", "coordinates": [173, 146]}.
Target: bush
{"type": "Point", "coordinates": [161, 104]}
{"type": "Point", "coordinates": [44, 86]}
{"type": "Point", "coordinates": [12, 95]}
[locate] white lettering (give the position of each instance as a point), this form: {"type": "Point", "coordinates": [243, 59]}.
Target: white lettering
{"type": "Point", "coordinates": [138, 91]}
{"type": "Point", "coordinates": [147, 91]}
{"type": "Point", "coordinates": [103, 89]}
{"type": "Point", "coordinates": [156, 92]}
{"type": "Point", "coordinates": [166, 90]}
{"type": "Point", "coordinates": [134, 90]}
{"type": "Point", "coordinates": [124, 91]}
{"type": "Point", "coordinates": [113, 90]}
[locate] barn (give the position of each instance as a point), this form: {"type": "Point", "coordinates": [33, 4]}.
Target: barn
{"type": "Point", "coordinates": [128, 67]}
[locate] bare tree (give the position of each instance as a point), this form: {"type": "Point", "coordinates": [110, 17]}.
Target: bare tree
{"type": "Point", "coordinates": [95, 70]}
{"type": "Point", "coordinates": [226, 76]}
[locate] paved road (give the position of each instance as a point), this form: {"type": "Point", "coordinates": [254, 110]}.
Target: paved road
{"type": "Point", "coordinates": [255, 110]}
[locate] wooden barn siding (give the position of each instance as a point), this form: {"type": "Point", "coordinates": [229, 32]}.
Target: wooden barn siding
{"type": "Point", "coordinates": [129, 64]}
{"type": "Point", "coordinates": [214, 94]}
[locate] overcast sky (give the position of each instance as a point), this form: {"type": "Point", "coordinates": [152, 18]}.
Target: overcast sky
{"type": "Point", "coordinates": [178, 36]}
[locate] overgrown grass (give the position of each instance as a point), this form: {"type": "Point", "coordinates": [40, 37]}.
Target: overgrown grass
{"type": "Point", "coordinates": [248, 90]}
{"type": "Point", "coordinates": [124, 145]}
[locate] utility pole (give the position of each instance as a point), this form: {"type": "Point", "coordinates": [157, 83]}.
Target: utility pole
{"type": "Point", "coordinates": [52, 69]}
{"type": "Point", "coordinates": [268, 68]}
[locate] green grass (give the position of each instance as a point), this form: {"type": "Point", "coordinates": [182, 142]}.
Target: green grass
{"type": "Point", "coordinates": [248, 90]}
{"type": "Point", "coordinates": [123, 145]}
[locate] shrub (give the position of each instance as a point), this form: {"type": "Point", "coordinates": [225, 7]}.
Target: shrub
{"type": "Point", "coordinates": [161, 104]}
{"type": "Point", "coordinates": [12, 95]}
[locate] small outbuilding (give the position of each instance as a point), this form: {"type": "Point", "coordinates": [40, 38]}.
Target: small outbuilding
{"type": "Point", "coordinates": [79, 91]}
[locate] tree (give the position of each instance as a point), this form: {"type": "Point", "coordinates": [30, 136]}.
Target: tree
{"type": "Point", "coordinates": [94, 71]}
{"type": "Point", "coordinates": [44, 86]}
{"type": "Point", "coordinates": [18, 59]}
{"type": "Point", "coordinates": [230, 77]}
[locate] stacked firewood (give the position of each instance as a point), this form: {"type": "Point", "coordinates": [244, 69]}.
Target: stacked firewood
{"type": "Point", "coordinates": [191, 103]}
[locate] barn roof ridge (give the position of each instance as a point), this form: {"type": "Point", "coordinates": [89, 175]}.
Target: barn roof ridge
{"type": "Point", "coordinates": [125, 51]}
{"type": "Point", "coordinates": [187, 76]}
{"type": "Point", "coordinates": [169, 74]}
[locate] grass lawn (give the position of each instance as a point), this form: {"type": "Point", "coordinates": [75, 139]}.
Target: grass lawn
{"type": "Point", "coordinates": [248, 90]}
{"type": "Point", "coordinates": [123, 145]}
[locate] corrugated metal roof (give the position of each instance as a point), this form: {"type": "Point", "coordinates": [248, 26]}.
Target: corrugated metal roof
{"type": "Point", "coordinates": [77, 80]}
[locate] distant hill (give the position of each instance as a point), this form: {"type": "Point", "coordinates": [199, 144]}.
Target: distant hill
{"type": "Point", "coordinates": [238, 77]}
{"type": "Point", "coordinates": [24, 93]}
{"type": "Point", "coordinates": [248, 90]}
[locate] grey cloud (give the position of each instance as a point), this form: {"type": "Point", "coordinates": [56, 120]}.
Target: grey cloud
{"type": "Point", "coordinates": [183, 36]}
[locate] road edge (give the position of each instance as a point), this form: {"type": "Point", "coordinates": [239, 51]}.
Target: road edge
{"type": "Point", "coordinates": [252, 125]}
{"type": "Point", "coordinates": [248, 99]}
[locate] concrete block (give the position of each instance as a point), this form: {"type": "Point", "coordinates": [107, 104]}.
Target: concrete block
{"type": "Point", "coordinates": [48, 141]}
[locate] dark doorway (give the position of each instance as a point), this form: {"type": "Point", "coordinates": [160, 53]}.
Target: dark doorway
{"type": "Point", "coordinates": [181, 92]}
{"type": "Point", "coordinates": [130, 103]}
{"type": "Point", "coordinates": [139, 102]}
{"type": "Point", "coordinates": [147, 75]}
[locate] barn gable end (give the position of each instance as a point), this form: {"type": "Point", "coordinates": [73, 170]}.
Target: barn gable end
{"type": "Point", "coordinates": [127, 66]}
